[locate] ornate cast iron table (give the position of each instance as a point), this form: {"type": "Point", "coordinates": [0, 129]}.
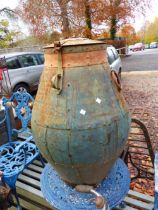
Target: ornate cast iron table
{"type": "Point", "coordinates": [63, 197]}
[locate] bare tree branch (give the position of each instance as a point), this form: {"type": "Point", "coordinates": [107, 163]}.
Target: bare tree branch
{"type": "Point", "coordinates": [9, 12]}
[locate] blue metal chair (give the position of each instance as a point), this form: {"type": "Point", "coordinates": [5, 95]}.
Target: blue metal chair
{"type": "Point", "coordinates": [16, 155]}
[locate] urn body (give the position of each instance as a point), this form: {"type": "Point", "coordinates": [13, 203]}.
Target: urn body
{"type": "Point", "coordinates": [80, 119]}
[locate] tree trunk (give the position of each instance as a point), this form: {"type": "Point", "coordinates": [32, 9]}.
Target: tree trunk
{"type": "Point", "coordinates": [113, 29]}
{"type": "Point", "coordinates": [65, 20]}
{"type": "Point", "coordinates": [88, 19]}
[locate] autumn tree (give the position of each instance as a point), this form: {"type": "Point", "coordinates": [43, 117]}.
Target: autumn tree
{"type": "Point", "coordinates": [84, 12]}
{"type": "Point", "coordinates": [72, 17]}
{"type": "Point", "coordinates": [81, 12]}
{"type": "Point", "coordinates": [117, 13]}
{"type": "Point", "coordinates": [46, 16]}
{"type": "Point", "coordinates": [78, 17]}
{"type": "Point", "coordinates": [114, 13]}
{"type": "Point", "coordinates": [129, 33]}
{"type": "Point", "coordinates": [63, 4]}
{"type": "Point", "coordinates": [149, 31]}
{"type": "Point", "coordinates": [88, 12]}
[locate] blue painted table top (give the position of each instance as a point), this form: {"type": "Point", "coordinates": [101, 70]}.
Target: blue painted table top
{"type": "Point", "coordinates": [63, 197]}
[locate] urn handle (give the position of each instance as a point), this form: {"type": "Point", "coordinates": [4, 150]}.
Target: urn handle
{"type": "Point", "coordinates": [57, 79]}
{"type": "Point", "coordinates": [57, 82]}
{"type": "Point", "coordinates": [116, 80]}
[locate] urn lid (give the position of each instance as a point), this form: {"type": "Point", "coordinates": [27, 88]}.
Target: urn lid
{"type": "Point", "coordinates": [75, 42]}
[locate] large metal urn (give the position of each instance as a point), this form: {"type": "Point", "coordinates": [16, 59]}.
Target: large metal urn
{"type": "Point", "coordinates": [80, 120]}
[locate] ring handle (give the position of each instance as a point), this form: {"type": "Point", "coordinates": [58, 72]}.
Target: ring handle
{"type": "Point", "coordinates": [57, 82]}
{"type": "Point", "coordinates": [116, 80]}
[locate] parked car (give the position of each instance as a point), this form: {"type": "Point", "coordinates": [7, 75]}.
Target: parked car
{"type": "Point", "coordinates": [114, 60]}
{"type": "Point", "coordinates": [130, 47]}
{"type": "Point", "coordinates": [138, 46]}
{"type": "Point", "coordinates": [153, 45]}
{"type": "Point", "coordinates": [24, 70]}
{"type": "Point", "coordinates": [147, 46]}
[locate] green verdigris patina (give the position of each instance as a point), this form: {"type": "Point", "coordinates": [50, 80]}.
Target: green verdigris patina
{"type": "Point", "coordinates": [80, 120]}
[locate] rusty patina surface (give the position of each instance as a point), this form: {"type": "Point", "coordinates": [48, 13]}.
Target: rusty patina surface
{"type": "Point", "coordinates": [81, 129]}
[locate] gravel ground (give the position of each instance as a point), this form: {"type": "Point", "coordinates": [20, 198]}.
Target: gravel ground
{"type": "Point", "coordinates": [141, 93]}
